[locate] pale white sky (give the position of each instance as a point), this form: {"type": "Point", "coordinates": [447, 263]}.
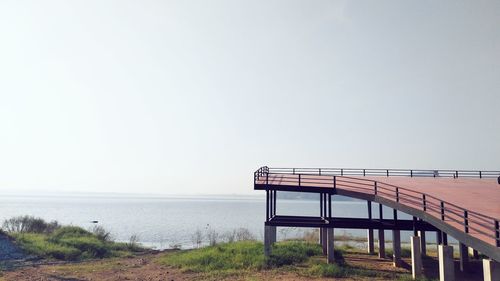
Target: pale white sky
{"type": "Point", "coordinates": [193, 96]}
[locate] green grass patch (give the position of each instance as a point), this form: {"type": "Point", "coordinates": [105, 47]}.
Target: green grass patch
{"type": "Point", "coordinates": [240, 256]}
{"type": "Point", "coordinates": [222, 257]}
{"type": "Point", "coordinates": [70, 243]}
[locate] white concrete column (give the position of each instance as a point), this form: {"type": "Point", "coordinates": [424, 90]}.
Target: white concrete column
{"type": "Point", "coordinates": [371, 246]}
{"type": "Point", "coordinates": [396, 248]}
{"type": "Point", "coordinates": [464, 256]}
{"type": "Point", "coordinates": [491, 270]}
{"type": "Point", "coordinates": [330, 248]}
{"type": "Point", "coordinates": [423, 243]}
{"type": "Point", "coordinates": [416, 257]}
{"type": "Point", "coordinates": [381, 244]}
{"type": "Point", "coordinates": [473, 253]}
{"type": "Point", "coordinates": [446, 266]}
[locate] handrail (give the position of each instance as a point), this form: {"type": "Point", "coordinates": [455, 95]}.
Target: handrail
{"type": "Point", "coordinates": [472, 222]}
{"type": "Point", "coordinates": [389, 172]}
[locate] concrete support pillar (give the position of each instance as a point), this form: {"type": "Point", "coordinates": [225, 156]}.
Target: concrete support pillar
{"type": "Point", "coordinates": [423, 243]}
{"type": "Point", "coordinates": [320, 234]}
{"type": "Point", "coordinates": [491, 270]}
{"type": "Point", "coordinates": [396, 248]}
{"type": "Point", "coordinates": [269, 237]}
{"type": "Point", "coordinates": [371, 245]}
{"type": "Point", "coordinates": [381, 244]}
{"type": "Point", "coordinates": [446, 266]}
{"type": "Point", "coordinates": [330, 246]}
{"type": "Point", "coordinates": [473, 253]}
{"type": "Point", "coordinates": [416, 257]}
{"type": "Point", "coordinates": [464, 257]}
{"type": "Point", "coordinates": [324, 240]}
{"type": "Point", "coordinates": [438, 241]}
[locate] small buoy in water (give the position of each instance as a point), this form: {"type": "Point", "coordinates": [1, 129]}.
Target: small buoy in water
{"type": "Point", "coordinates": [94, 221]}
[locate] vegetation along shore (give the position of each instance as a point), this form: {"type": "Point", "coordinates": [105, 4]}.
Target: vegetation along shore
{"type": "Point", "coordinates": [40, 250]}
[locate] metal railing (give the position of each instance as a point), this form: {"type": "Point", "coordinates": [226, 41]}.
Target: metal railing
{"type": "Point", "coordinates": [471, 222]}
{"type": "Point", "coordinates": [388, 172]}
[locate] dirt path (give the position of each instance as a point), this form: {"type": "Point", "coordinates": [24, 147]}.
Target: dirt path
{"type": "Point", "coordinates": [145, 268]}
{"type": "Point", "coordinates": [136, 268]}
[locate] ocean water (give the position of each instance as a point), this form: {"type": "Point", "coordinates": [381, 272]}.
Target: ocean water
{"type": "Point", "coordinates": [162, 222]}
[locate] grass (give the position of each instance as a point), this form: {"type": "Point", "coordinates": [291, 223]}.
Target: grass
{"type": "Point", "coordinates": [247, 258]}
{"type": "Point", "coordinates": [240, 258]}
{"type": "Point", "coordinates": [70, 243]}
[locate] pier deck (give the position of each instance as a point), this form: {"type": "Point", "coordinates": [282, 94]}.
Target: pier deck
{"type": "Point", "coordinates": [463, 204]}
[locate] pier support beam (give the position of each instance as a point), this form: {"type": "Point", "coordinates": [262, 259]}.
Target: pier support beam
{"type": "Point", "coordinates": [269, 238]}
{"type": "Point", "coordinates": [396, 248]}
{"type": "Point", "coordinates": [330, 245]}
{"type": "Point", "coordinates": [416, 257]}
{"type": "Point", "coordinates": [446, 266]}
{"type": "Point", "coordinates": [491, 270]}
{"type": "Point", "coordinates": [381, 238]}
{"type": "Point", "coordinates": [423, 243]}
{"type": "Point", "coordinates": [371, 245]}
{"type": "Point", "coordinates": [369, 234]}
{"type": "Point", "coordinates": [381, 244]}
{"type": "Point", "coordinates": [324, 240]}
{"type": "Point", "coordinates": [464, 257]}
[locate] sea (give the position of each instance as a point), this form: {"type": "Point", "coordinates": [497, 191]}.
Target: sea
{"type": "Point", "coordinates": [161, 222]}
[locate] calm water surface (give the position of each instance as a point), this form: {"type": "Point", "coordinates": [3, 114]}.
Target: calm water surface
{"type": "Point", "coordinates": [162, 222]}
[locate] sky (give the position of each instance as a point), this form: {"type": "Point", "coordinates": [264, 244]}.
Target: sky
{"type": "Point", "coordinates": [191, 97]}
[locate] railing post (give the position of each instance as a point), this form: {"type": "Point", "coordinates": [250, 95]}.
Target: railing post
{"type": "Point", "coordinates": [267, 204]}
{"type": "Point", "coordinates": [341, 172]}
{"type": "Point", "coordinates": [466, 221]}
{"type": "Point", "coordinates": [319, 171]}
{"type": "Point", "coordinates": [480, 174]}
{"type": "Point", "coordinates": [293, 171]}
{"type": "Point", "coordinates": [299, 180]}
{"type": "Point", "coordinates": [267, 179]}
{"type": "Point", "coordinates": [424, 202]}
{"type": "Point", "coordinates": [411, 173]}
{"type": "Point", "coordinates": [397, 194]}
{"type": "Point", "coordinates": [456, 172]}
{"type": "Point", "coordinates": [442, 210]}
{"type": "Point", "coordinates": [497, 233]}
{"type": "Point", "coordinates": [364, 172]}
{"type": "Point", "coordinates": [334, 183]}
{"type": "Point", "coordinates": [329, 206]}
{"type": "Point", "coordinates": [387, 172]}
{"type": "Point", "coordinates": [375, 187]}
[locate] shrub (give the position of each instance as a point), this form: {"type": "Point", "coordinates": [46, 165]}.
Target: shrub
{"type": "Point", "coordinates": [65, 242]}
{"type": "Point", "coordinates": [29, 224]}
{"type": "Point", "coordinates": [239, 234]}
{"type": "Point", "coordinates": [101, 233]}
{"type": "Point", "coordinates": [39, 245]}
{"type": "Point", "coordinates": [213, 237]}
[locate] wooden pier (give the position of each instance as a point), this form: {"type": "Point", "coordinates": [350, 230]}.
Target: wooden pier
{"type": "Point", "coordinates": [462, 204]}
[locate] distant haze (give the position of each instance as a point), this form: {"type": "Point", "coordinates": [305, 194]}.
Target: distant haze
{"type": "Point", "coordinates": [185, 97]}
